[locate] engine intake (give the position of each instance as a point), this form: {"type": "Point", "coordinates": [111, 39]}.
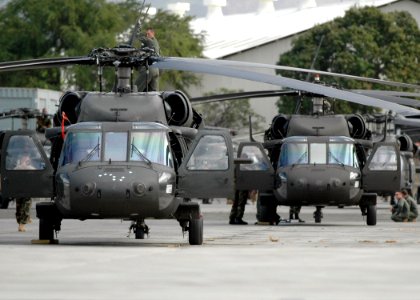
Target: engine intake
{"type": "Point", "coordinates": [406, 144]}
{"type": "Point", "coordinates": [69, 104]}
{"type": "Point", "coordinates": [177, 108]}
{"type": "Point", "coordinates": [357, 126]}
{"type": "Point", "coordinates": [279, 126]}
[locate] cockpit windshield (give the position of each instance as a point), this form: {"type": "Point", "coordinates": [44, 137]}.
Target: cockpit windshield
{"type": "Point", "coordinates": [81, 146]}
{"type": "Point", "coordinates": [148, 146]}
{"type": "Point", "coordinates": [318, 153]}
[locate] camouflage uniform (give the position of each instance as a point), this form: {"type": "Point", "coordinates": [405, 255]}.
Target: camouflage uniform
{"type": "Point", "coordinates": [42, 123]}
{"type": "Point", "coordinates": [413, 212]}
{"type": "Point", "coordinates": [149, 82]}
{"type": "Point", "coordinates": [238, 207]}
{"type": "Point", "coordinates": [400, 211]}
{"type": "Point", "coordinates": [23, 210]}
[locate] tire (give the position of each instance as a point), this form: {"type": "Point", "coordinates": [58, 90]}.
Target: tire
{"type": "Point", "coordinates": [195, 234]}
{"type": "Point", "coordinates": [371, 215]}
{"type": "Point", "coordinates": [46, 230]}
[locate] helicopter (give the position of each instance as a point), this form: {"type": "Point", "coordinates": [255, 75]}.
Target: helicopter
{"type": "Point", "coordinates": [135, 155]}
{"type": "Point", "coordinates": [325, 159]}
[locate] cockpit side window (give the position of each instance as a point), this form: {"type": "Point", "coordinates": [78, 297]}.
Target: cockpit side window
{"type": "Point", "coordinates": [23, 154]}
{"type": "Point", "coordinates": [210, 154]}
{"type": "Point", "coordinates": [384, 159]}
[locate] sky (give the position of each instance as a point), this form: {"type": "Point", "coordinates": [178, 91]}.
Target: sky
{"type": "Point", "coordinates": [198, 9]}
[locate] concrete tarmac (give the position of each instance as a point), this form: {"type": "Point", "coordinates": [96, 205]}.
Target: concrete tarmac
{"type": "Point", "coordinates": [341, 258]}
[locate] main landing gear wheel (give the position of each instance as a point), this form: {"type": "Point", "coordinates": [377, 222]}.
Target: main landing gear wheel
{"type": "Point", "coordinates": [195, 231]}
{"type": "Point", "coordinates": [371, 215]}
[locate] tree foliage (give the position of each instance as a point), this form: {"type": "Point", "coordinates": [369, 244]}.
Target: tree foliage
{"type": "Point", "coordinates": [365, 42]}
{"type": "Point", "coordinates": [50, 28]}
{"type": "Point", "coordinates": [229, 114]}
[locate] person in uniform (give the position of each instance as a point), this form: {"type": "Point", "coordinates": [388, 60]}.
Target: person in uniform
{"type": "Point", "coordinates": [401, 209]}
{"type": "Point", "coordinates": [413, 212]}
{"type": "Point", "coordinates": [238, 208]}
{"type": "Point", "coordinates": [148, 79]}
{"type": "Point", "coordinates": [294, 212]}
{"type": "Point", "coordinates": [43, 121]}
{"type": "Point", "coordinates": [23, 205]}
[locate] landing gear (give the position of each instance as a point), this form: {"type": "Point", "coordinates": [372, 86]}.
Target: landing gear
{"type": "Point", "coordinates": [371, 215]}
{"type": "Point", "coordinates": [189, 217]}
{"type": "Point", "coordinates": [49, 221]}
{"type": "Point", "coordinates": [140, 229]}
{"type": "Point", "coordinates": [318, 214]}
{"type": "Point", "coordinates": [195, 231]}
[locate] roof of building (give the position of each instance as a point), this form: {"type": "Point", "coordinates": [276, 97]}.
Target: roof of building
{"type": "Point", "coordinates": [227, 35]}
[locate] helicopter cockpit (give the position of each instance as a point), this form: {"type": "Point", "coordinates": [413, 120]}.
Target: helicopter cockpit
{"type": "Point", "coordinates": [327, 151]}
{"type": "Point", "coordinates": [146, 142]}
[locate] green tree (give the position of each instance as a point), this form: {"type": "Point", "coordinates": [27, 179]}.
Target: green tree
{"type": "Point", "coordinates": [365, 42]}
{"type": "Point", "coordinates": [232, 114]}
{"type": "Point", "coordinates": [50, 28]}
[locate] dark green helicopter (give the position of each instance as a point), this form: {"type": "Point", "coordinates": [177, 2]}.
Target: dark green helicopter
{"type": "Point", "coordinates": [134, 155]}
{"type": "Point", "coordinates": [326, 159]}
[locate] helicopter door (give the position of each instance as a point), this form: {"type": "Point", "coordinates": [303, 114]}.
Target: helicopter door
{"type": "Point", "coordinates": [207, 170]}
{"type": "Point", "coordinates": [25, 168]}
{"type": "Point", "coordinates": [382, 172]}
{"type": "Point", "coordinates": [259, 174]}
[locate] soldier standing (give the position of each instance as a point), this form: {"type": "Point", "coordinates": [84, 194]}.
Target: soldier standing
{"type": "Point", "coordinates": [238, 208]}
{"type": "Point", "coordinates": [23, 205]}
{"type": "Point", "coordinates": [148, 79]}
{"type": "Point", "coordinates": [43, 121]}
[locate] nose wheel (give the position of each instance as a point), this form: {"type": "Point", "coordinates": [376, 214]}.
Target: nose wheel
{"type": "Point", "coordinates": [318, 214]}
{"type": "Point", "coordinates": [140, 229]}
{"type": "Point", "coordinates": [195, 231]}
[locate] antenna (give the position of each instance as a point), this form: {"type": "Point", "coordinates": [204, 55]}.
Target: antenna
{"type": "Point", "coordinates": [251, 138]}
{"type": "Point", "coordinates": [139, 21]}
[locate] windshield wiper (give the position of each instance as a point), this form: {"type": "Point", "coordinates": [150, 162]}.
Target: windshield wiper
{"type": "Point", "coordinates": [141, 155]}
{"type": "Point", "coordinates": [304, 155]}
{"type": "Point", "coordinates": [335, 158]}
{"type": "Point", "coordinates": [90, 154]}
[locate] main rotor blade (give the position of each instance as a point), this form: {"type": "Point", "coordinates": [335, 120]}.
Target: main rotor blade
{"type": "Point", "coordinates": [231, 63]}
{"type": "Point", "coordinates": [388, 93]}
{"type": "Point", "coordinates": [393, 99]}
{"type": "Point", "coordinates": [45, 63]}
{"type": "Point", "coordinates": [242, 95]}
{"type": "Point", "coordinates": [194, 65]}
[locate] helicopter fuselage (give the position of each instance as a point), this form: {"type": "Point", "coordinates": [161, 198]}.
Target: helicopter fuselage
{"type": "Point", "coordinates": [318, 171]}
{"type": "Point", "coordinates": [116, 170]}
